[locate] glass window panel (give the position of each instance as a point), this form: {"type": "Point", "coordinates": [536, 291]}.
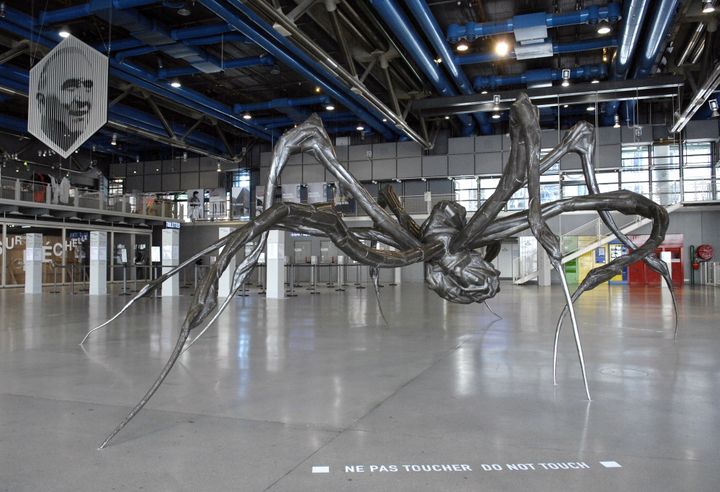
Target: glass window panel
{"type": "Point", "coordinates": [519, 200]}
{"type": "Point", "coordinates": [607, 177]}
{"type": "Point", "coordinates": [635, 157]}
{"type": "Point", "coordinates": [642, 188]}
{"type": "Point", "coordinates": [697, 173]}
{"type": "Point", "coordinates": [569, 191]}
{"type": "Point", "coordinates": [604, 188]}
{"type": "Point", "coordinates": [634, 176]}
{"type": "Point", "coordinates": [665, 175]}
{"type": "Point", "coordinates": [549, 192]}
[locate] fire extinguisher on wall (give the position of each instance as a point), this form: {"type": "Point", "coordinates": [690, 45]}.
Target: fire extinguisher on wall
{"type": "Point", "coordinates": [703, 253]}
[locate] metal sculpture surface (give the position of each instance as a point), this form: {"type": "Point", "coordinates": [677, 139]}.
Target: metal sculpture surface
{"type": "Point", "coordinates": [446, 242]}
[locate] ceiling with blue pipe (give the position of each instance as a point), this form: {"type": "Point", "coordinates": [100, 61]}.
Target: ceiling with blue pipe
{"type": "Point", "coordinates": [216, 77]}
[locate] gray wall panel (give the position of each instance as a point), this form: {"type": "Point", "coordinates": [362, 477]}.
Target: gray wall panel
{"type": "Point", "coordinates": [409, 167]}
{"type": "Point", "coordinates": [313, 173]}
{"type": "Point", "coordinates": [608, 135]}
{"type": "Point", "coordinates": [342, 153]}
{"type": "Point", "coordinates": [265, 158]}
{"type": "Point", "coordinates": [408, 149]}
{"type": "Point", "coordinates": [171, 166]}
{"type": "Point", "coordinates": [550, 138]}
{"type": "Point", "coordinates": [152, 167]}
{"type": "Point", "coordinates": [362, 170]}
{"type": "Point", "coordinates": [440, 186]}
{"type": "Point", "coordinates": [489, 162]}
{"type": "Point", "coordinates": [488, 143]}
{"type": "Point", "coordinates": [707, 129]}
{"type": "Point", "coordinates": [359, 152]}
{"type": "Point", "coordinates": [384, 169]}
{"type": "Point", "coordinates": [570, 162]}
{"type": "Point", "coordinates": [207, 164]}
{"type": "Point", "coordinates": [191, 165]}
{"type": "Point", "coordinates": [434, 165]}
{"type": "Point", "coordinates": [171, 182]}
{"type": "Point", "coordinates": [384, 150]}
{"type": "Point", "coordinates": [133, 183]}
{"type": "Point", "coordinates": [208, 179]}
{"type": "Point", "coordinates": [415, 187]}
{"type": "Point", "coordinates": [461, 164]}
{"type": "Point", "coordinates": [152, 183]}
{"type": "Point", "coordinates": [461, 145]}
{"type": "Point", "coordinates": [189, 181]}
{"type": "Point", "coordinates": [291, 174]}
{"type": "Point", "coordinates": [117, 170]}
{"type": "Point", "coordinates": [609, 156]}
{"type": "Point", "coordinates": [134, 168]}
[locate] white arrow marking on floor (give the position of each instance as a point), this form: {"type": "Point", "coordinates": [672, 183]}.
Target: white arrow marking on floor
{"type": "Point", "coordinates": [321, 469]}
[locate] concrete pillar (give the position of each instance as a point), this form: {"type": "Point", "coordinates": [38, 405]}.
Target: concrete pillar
{"type": "Point", "coordinates": [98, 263]}
{"type": "Point", "coordinates": [225, 286]}
{"type": "Point", "coordinates": [170, 259]}
{"type": "Point", "coordinates": [544, 267]}
{"type": "Point", "coordinates": [275, 288]}
{"type": "Point", "coordinates": [33, 263]}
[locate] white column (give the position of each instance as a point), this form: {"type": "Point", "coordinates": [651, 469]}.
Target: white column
{"type": "Point", "coordinates": [544, 267]}
{"type": "Point", "coordinates": [98, 263]}
{"type": "Point", "coordinates": [225, 286]}
{"type": "Point", "coordinates": [170, 259]}
{"type": "Point", "coordinates": [341, 271]}
{"type": "Point", "coordinates": [275, 288]}
{"type": "Point", "coordinates": [33, 263]}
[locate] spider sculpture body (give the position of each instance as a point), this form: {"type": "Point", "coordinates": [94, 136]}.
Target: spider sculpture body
{"type": "Point", "coordinates": [457, 251]}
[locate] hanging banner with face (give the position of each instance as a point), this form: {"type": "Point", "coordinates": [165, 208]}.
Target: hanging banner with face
{"type": "Point", "coordinates": [68, 96]}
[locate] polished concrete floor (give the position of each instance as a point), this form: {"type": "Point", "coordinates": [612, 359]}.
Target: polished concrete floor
{"type": "Point", "coordinates": [315, 393]}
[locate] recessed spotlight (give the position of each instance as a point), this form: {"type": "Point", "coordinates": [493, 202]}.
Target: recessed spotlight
{"type": "Point", "coordinates": [502, 48]}
{"type": "Point", "coordinates": [176, 84]}
{"type": "Point", "coordinates": [64, 32]}
{"type": "Point", "coordinates": [247, 116]}
{"type": "Point", "coordinates": [329, 107]}
{"type": "Point", "coordinates": [462, 46]}
{"type": "Point", "coordinates": [603, 27]}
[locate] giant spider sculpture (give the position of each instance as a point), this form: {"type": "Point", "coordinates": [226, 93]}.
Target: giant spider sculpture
{"type": "Point", "coordinates": [456, 251]}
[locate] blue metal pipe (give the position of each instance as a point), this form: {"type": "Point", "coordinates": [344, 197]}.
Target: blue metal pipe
{"type": "Point", "coordinates": [585, 72]}
{"type": "Point", "coordinates": [292, 56]}
{"type": "Point", "coordinates": [558, 49]}
{"type": "Point", "coordinates": [84, 10]}
{"type": "Point", "coordinates": [431, 28]}
{"type": "Point", "coordinates": [661, 19]}
{"type": "Point", "coordinates": [166, 73]}
{"type": "Point", "coordinates": [143, 50]}
{"type": "Point", "coordinates": [281, 103]}
{"type": "Point", "coordinates": [589, 15]}
{"type": "Point", "coordinates": [390, 12]}
{"type": "Point", "coordinates": [218, 39]}
{"type": "Point", "coordinates": [16, 22]}
{"type": "Point", "coordinates": [18, 80]}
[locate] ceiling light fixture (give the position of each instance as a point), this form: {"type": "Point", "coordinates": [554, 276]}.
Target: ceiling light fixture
{"type": "Point", "coordinates": [496, 102]}
{"type": "Point", "coordinates": [447, 117]}
{"type": "Point", "coordinates": [590, 108]}
{"type": "Point", "coordinates": [566, 105]}
{"type": "Point", "coordinates": [64, 32]}
{"type": "Point", "coordinates": [438, 60]}
{"type": "Point", "coordinates": [714, 108]}
{"type": "Point", "coordinates": [360, 127]}
{"type": "Point", "coordinates": [617, 121]}
{"type": "Point", "coordinates": [483, 92]}
{"type": "Point", "coordinates": [565, 77]}
{"type": "Point", "coordinates": [496, 116]}
{"type": "Point", "coordinates": [175, 83]}
{"type": "Point", "coordinates": [329, 107]}
{"type": "Point", "coordinates": [247, 116]}
{"type": "Point", "coordinates": [114, 139]}
{"type": "Point", "coordinates": [595, 81]}
{"type": "Point", "coordinates": [317, 89]}
{"type": "Point", "coordinates": [502, 48]}
{"type": "Point", "coordinates": [184, 10]}
{"type": "Point", "coordinates": [462, 46]}
{"type": "Point", "coordinates": [708, 6]}
{"type": "Point", "coordinates": [603, 28]}
{"type": "Point", "coordinates": [384, 120]}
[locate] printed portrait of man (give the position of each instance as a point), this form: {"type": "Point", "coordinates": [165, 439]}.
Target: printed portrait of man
{"type": "Point", "coordinates": [70, 96]}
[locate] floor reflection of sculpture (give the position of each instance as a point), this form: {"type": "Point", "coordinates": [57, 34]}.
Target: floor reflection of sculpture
{"type": "Point", "coordinates": [457, 251]}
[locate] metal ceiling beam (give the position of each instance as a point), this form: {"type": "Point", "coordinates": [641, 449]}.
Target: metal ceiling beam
{"type": "Point", "coordinates": [656, 87]}
{"type": "Point", "coordinates": [322, 59]}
